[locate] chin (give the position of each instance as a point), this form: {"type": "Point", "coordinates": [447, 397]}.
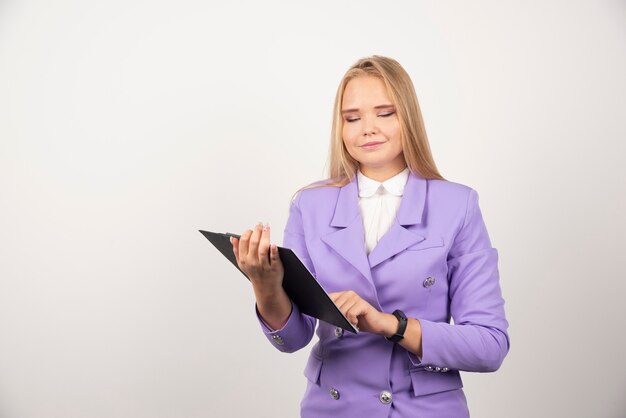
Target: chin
{"type": "Point", "coordinates": [374, 160]}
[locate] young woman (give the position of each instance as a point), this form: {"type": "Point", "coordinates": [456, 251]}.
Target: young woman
{"type": "Point", "coordinates": [400, 250]}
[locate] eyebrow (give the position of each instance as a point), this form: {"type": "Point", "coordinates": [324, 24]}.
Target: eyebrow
{"type": "Point", "coordinates": [375, 107]}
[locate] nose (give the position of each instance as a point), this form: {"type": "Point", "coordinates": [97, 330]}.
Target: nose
{"type": "Point", "coordinates": [369, 125]}
{"type": "Point", "coordinates": [368, 132]}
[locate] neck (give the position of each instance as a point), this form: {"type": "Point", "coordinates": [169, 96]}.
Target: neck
{"type": "Point", "coordinates": [381, 173]}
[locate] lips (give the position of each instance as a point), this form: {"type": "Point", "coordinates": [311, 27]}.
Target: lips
{"type": "Point", "coordinates": [369, 144]}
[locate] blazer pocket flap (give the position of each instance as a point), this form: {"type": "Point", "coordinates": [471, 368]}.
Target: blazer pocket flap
{"type": "Point", "coordinates": [313, 369]}
{"type": "Point", "coordinates": [430, 242]}
{"type": "Point", "coordinates": [426, 383]}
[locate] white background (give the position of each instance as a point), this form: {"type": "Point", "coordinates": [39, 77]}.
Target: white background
{"type": "Point", "coordinates": [127, 125]}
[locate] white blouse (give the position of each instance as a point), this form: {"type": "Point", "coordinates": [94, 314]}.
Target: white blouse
{"type": "Point", "coordinates": [379, 203]}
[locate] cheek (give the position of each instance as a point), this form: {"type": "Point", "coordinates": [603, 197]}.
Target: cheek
{"type": "Point", "coordinates": [391, 128]}
{"type": "Point", "coordinates": [347, 133]}
{"type": "Point", "coordinates": [394, 134]}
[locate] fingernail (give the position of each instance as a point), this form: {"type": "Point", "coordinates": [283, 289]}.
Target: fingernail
{"type": "Point", "coordinates": [231, 240]}
{"type": "Point", "coordinates": [266, 226]}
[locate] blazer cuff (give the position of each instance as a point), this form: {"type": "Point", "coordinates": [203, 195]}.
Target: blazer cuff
{"type": "Point", "coordinates": [430, 344]}
{"type": "Point", "coordinates": [284, 338]}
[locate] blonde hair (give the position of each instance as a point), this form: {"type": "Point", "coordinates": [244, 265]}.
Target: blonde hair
{"type": "Point", "coordinates": [416, 149]}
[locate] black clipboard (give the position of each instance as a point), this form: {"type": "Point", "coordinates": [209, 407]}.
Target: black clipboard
{"type": "Point", "coordinates": [298, 282]}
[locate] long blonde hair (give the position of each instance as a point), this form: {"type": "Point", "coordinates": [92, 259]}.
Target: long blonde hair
{"type": "Point", "coordinates": [416, 149]}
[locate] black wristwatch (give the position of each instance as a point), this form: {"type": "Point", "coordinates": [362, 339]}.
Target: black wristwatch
{"type": "Point", "coordinates": [401, 326]}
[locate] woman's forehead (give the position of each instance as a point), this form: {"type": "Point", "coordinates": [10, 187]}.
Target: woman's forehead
{"type": "Point", "coordinates": [364, 92]}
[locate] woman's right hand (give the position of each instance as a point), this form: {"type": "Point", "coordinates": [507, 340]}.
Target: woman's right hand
{"type": "Point", "coordinates": [259, 260]}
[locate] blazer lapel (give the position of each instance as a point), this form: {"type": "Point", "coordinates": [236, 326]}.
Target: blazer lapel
{"type": "Point", "coordinates": [349, 240]}
{"type": "Point", "coordinates": [411, 210]}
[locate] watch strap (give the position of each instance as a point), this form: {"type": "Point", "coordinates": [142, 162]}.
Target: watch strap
{"type": "Point", "coordinates": [402, 323]}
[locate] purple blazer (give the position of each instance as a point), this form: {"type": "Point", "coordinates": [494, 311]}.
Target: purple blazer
{"type": "Point", "coordinates": [435, 263]}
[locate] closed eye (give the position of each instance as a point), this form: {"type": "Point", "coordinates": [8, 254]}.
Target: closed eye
{"type": "Point", "coordinates": [384, 115]}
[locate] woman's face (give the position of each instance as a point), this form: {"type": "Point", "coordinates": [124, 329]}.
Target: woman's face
{"type": "Point", "coordinates": [371, 129]}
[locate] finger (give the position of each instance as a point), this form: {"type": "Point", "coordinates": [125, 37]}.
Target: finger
{"type": "Point", "coordinates": [354, 311]}
{"type": "Point", "coordinates": [334, 295]}
{"type": "Point", "coordinates": [244, 243]}
{"type": "Point", "coordinates": [343, 298]}
{"type": "Point", "coordinates": [235, 243]}
{"type": "Point", "coordinates": [264, 246]}
{"type": "Point", "coordinates": [274, 257]}
{"type": "Point", "coordinates": [349, 310]}
{"type": "Point", "coordinates": [352, 317]}
{"type": "Point", "coordinates": [253, 245]}
{"type": "Point", "coordinates": [343, 304]}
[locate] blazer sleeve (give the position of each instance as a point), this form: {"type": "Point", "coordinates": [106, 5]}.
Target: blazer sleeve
{"type": "Point", "coordinates": [299, 328]}
{"type": "Point", "coordinates": [478, 341]}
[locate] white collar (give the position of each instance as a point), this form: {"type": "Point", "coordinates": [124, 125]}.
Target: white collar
{"type": "Point", "coordinates": [395, 185]}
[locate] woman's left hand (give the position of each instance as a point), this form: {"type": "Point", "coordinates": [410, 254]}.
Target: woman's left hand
{"type": "Point", "coordinates": [363, 315]}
